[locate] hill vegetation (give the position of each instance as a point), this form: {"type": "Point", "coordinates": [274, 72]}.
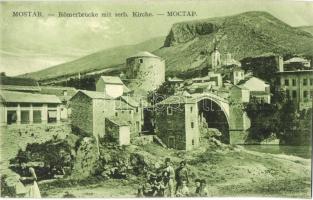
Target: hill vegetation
{"type": "Point", "coordinates": [188, 44]}
{"type": "Point", "coordinates": [105, 59]}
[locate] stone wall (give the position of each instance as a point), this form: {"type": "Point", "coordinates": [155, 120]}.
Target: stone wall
{"type": "Point", "coordinates": [171, 126]}
{"type": "Point", "coordinates": [86, 158]}
{"type": "Point", "coordinates": [15, 137]}
{"type": "Point", "coordinates": [192, 126]}
{"type": "Point", "coordinates": [112, 131]}
{"type": "Point", "coordinates": [239, 124]}
{"type": "Point", "coordinates": [82, 114]}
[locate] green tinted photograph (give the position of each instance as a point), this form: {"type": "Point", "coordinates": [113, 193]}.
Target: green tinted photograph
{"type": "Point", "coordinates": [147, 98]}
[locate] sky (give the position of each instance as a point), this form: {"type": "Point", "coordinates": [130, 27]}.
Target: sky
{"type": "Point", "coordinates": [33, 43]}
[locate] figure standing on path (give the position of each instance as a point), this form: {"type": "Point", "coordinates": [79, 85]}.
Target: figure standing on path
{"type": "Point", "coordinates": [168, 177]}
{"type": "Point", "coordinates": [182, 190]}
{"type": "Point", "coordinates": [29, 178]}
{"type": "Point", "coordinates": [181, 174]}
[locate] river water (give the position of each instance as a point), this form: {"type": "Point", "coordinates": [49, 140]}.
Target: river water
{"type": "Point", "coordinates": [301, 151]}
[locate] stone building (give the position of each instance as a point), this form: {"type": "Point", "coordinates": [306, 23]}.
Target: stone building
{"type": "Point", "coordinates": [126, 107]}
{"type": "Point", "coordinates": [298, 63]}
{"type": "Point", "coordinates": [239, 94]}
{"type": "Point", "coordinates": [145, 71]}
{"type": "Point", "coordinates": [177, 122]}
{"type": "Point", "coordinates": [259, 89]}
{"type": "Point", "coordinates": [89, 109]}
{"type": "Point", "coordinates": [236, 75]}
{"type": "Point", "coordinates": [130, 111]}
{"type": "Point", "coordinates": [28, 108]}
{"type": "Point", "coordinates": [298, 86]}
{"type": "Point", "coordinates": [118, 131]}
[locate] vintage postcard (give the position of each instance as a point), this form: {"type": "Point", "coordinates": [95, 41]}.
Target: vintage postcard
{"type": "Point", "coordinates": [143, 98]}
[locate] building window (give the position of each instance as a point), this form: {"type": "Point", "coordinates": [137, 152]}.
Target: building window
{"type": "Point", "coordinates": [37, 104]}
{"type": "Point", "coordinates": [137, 109]}
{"type": "Point", "coordinates": [294, 94]}
{"type": "Point", "coordinates": [37, 116]}
{"type": "Point", "coordinates": [11, 104]}
{"type": "Point", "coordinates": [305, 94]}
{"type": "Point", "coordinates": [288, 94]}
{"type": "Point", "coordinates": [24, 117]}
{"type": "Point", "coordinates": [52, 105]}
{"type": "Point", "coordinates": [52, 116]}
{"type": "Point", "coordinates": [287, 82]}
{"type": "Point", "coordinates": [140, 60]}
{"type": "Point", "coordinates": [311, 81]}
{"type": "Point", "coordinates": [311, 94]}
{"type": "Point", "coordinates": [11, 117]}
{"type": "Point", "coordinates": [169, 111]}
{"type": "Point", "coordinates": [193, 142]}
{"type": "Point", "coordinates": [25, 104]}
{"type": "Point", "coordinates": [294, 82]}
{"type": "Point", "coordinates": [116, 114]}
{"type": "Point", "coordinates": [64, 93]}
{"type": "Point", "coordinates": [191, 109]}
{"type": "Point", "coordinates": [305, 81]}
{"type": "Point", "coordinates": [192, 124]}
{"type": "Point", "coordinates": [123, 111]}
{"type": "Point", "coordinates": [130, 112]}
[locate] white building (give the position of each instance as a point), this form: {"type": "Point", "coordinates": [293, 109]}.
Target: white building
{"type": "Point", "coordinates": [28, 108]}
{"type": "Point", "coordinates": [259, 89]}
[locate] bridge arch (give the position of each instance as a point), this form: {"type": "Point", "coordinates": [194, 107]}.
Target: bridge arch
{"type": "Point", "coordinates": [214, 110]}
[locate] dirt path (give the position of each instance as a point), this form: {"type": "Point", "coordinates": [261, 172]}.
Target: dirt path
{"type": "Point", "coordinates": [231, 173]}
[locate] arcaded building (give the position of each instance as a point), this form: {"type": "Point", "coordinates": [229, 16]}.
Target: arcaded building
{"type": "Point", "coordinates": [145, 71]}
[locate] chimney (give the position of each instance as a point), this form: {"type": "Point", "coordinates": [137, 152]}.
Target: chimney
{"type": "Point", "coordinates": [280, 63]}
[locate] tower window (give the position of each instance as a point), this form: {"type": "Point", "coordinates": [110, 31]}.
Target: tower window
{"type": "Point", "coordinates": [191, 109]}
{"type": "Point", "coordinates": [192, 124]}
{"type": "Point", "coordinates": [169, 111]}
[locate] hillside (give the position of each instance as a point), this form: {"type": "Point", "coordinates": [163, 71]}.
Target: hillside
{"type": "Point", "coordinates": [188, 44]}
{"type": "Point", "coordinates": [96, 61]}
{"type": "Point", "coordinates": [242, 35]}
{"type": "Point", "coordinates": [307, 29]}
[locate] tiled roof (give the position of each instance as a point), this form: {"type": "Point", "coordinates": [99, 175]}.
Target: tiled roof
{"type": "Point", "coordinates": [117, 121]}
{"type": "Point", "coordinates": [93, 94]}
{"type": "Point", "coordinates": [7, 80]}
{"type": "Point", "coordinates": [296, 59]}
{"type": "Point", "coordinates": [131, 101]}
{"type": "Point", "coordinates": [59, 91]}
{"type": "Point", "coordinates": [121, 105]}
{"type": "Point", "coordinates": [111, 79]}
{"type": "Point", "coordinates": [23, 97]}
{"type": "Point", "coordinates": [19, 88]}
{"type": "Point", "coordinates": [144, 54]}
{"type": "Point", "coordinates": [14, 83]}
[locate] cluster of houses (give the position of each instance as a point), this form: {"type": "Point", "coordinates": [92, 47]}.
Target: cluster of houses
{"type": "Point", "coordinates": [115, 111]}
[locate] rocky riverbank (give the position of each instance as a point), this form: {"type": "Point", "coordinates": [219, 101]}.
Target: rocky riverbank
{"type": "Point", "coordinates": [228, 170]}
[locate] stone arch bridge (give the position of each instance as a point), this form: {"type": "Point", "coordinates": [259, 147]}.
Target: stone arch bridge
{"type": "Point", "coordinates": [237, 120]}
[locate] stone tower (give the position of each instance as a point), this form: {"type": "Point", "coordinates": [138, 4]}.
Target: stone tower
{"type": "Point", "coordinates": [145, 71]}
